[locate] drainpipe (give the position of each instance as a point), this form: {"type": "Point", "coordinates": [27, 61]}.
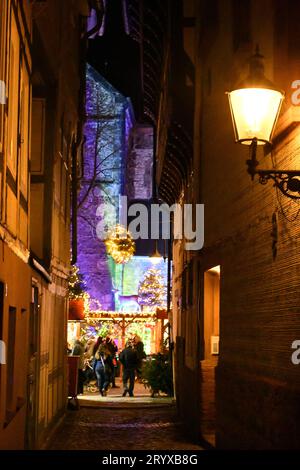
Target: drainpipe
{"type": "Point", "coordinates": [98, 6]}
{"type": "Point", "coordinates": [74, 190]}
{"type": "Point", "coordinates": [169, 292]}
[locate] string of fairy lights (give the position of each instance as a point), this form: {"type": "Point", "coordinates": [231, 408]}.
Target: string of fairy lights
{"type": "Point", "coordinates": [97, 321]}
{"type": "Point", "coordinates": [121, 247]}
{"type": "Point", "coordinates": [112, 315]}
{"type": "Point", "coordinates": [77, 292]}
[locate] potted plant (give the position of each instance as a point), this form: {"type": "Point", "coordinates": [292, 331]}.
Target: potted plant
{"type": "Point", "coordinates": [157, 374]}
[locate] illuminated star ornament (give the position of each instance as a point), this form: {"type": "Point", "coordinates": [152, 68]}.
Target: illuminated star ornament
{"type": "Point", "coordinates": [120, 245]}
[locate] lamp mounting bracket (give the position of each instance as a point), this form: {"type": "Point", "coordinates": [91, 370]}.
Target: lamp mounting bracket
{"type": "Point", "coordinates": [287, 181]}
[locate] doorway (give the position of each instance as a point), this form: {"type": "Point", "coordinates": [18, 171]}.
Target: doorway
{"type": "Point", "coordinates": [211, 336]}
{"type": "Point", "coordinates": [32, 374]}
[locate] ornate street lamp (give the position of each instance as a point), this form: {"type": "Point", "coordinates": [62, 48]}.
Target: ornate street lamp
{"type": "Point", "coordinates": [255, 105]}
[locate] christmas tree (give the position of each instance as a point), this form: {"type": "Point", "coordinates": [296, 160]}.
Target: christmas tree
{"type": "Point", "coordinates": [76, 284]}
{"type": "Point", "coordinates": [152, 291]}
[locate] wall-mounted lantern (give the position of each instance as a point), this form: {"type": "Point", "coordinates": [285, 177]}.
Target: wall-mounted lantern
{"type": "Point", "coordinates": [255, 105]}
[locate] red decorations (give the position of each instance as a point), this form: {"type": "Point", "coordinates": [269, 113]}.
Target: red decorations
{"type": "Point", "coordinates": [76, 309]}
{"type": "Point", "coordinates": [161, 314]}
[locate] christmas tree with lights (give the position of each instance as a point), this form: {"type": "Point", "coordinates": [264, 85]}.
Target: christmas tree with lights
{"type": "Point", "coordinates": [79, 299]}
{"type": "Point", "coordinates": [76, 284]}
{"type": "Point", "coordinates": [152, 291]}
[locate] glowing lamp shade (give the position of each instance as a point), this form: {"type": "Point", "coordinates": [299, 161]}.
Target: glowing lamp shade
{"type": "Point", "coordinates": [155, 259]}
{"type": "Point", "coordinates": [254, 113]}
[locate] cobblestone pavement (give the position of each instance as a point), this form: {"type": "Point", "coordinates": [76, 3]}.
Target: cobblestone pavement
{"type": "Point", "coordinates": [155, 427]}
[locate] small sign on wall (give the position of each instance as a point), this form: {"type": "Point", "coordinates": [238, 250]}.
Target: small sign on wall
{"type": "Point", "coordinates": [2, 353]}
{"type": "Point", "coordinates": [214, 344]}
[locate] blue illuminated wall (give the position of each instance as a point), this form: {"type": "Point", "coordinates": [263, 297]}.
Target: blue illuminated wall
{"type": "Point", "coordinates": [109, 119]}
{"type": "Point", "coordinates": [117, 159]}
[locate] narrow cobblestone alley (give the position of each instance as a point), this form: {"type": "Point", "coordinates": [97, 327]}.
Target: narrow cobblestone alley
{"type": "Point", "coordinates": [149, 233]}
{"type": "Point", "coordinates": [122, 427]}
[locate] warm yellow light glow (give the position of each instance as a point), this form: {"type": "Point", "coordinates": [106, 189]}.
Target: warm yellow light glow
{"type": "Point", "coordinates": [254, 112]}
{"type": "Point", "coordinates": [120, 245]}
{"type": "Point", "coordinates": [155, 259]}
{"type": "Point", "coordinates": [215, 269]}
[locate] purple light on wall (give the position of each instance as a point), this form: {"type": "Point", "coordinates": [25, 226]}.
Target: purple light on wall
{"type": "Point", "coordinates": [92, 21]}
{"type": "Point", "coordinates": [107, 129]}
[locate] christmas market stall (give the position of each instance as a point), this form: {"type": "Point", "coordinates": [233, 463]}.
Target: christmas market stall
{"type": "Point", "coordinates": [151, 327]}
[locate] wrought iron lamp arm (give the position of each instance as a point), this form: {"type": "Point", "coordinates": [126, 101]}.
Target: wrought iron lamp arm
{"type": "Point", "coordinates": [287, 181]}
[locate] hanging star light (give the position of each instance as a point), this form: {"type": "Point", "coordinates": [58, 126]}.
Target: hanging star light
{"type": "Point", "coordinates": [120, 245]}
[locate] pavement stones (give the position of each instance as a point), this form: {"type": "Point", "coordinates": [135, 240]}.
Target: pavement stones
{"type": "Point", "coordinates": [122, 428]}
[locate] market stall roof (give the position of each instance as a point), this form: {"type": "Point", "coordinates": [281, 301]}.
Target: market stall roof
{"type": "Point", "coordinates": [107, 315]}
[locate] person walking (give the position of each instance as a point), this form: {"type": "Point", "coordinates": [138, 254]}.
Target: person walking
{"type": "Point", "coordinates": [89, 347]}
{"type": "Point", "coordinates": [100, 365]}
{"type": "Point", "coordinates": [141, 355]}
{"type": "Point", "coordinates": [113, 349]}
{"type": "Point", "coordinates": [78, 350]}
{"type": "Point", "coordinates": [89, 362]}
{"type": "Point", "coordinates": [129, 360]}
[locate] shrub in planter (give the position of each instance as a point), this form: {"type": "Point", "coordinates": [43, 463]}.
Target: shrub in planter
{"type": "Point", "coordinates": [157, 374]}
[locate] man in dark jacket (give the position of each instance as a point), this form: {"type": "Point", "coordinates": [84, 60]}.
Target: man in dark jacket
{"type": "Point", "coordinates": [129, 360]}
{"type": "Point", "coordinates": [139, 348]}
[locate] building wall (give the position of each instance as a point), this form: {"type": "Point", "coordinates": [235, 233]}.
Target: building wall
{"type": "Point", "coordinates": [14, 317]}
{"type": "Point", "coordinates": [52, 374]}
{"type": "Point", "coordinates": [39, 64]}
{"type": "Point", "coordinates": [108, 125]}
{"type": "Point", "coordinates": [15, 68]}
{"type": "Point", "coordinates": [118, 155]}
{"type": "Point", "coordinates": [256, 383]}
{"type": "Point", "coordinates": [139, 163]}
{"type": "Point", "coordinates": [56, 121]}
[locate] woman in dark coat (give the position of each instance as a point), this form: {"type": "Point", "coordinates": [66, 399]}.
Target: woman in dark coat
{"type": "Point", "coordinates": [102, 366]}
